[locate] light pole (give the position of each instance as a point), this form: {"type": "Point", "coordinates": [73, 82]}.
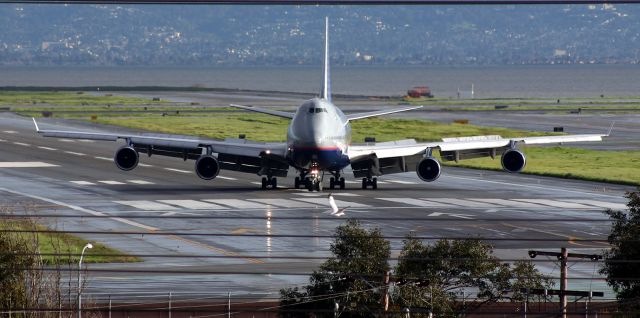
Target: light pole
{"type": "Point", "coordinates": [79, 286]}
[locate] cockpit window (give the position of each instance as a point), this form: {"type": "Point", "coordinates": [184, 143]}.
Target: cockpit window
{"type": "Point", "coordinates": [317, 110]}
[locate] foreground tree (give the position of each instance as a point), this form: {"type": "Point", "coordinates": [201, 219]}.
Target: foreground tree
{"type": "Point", "coordinates": [439, 277]}
{"type": "Point", "coordinates": [351, 278]}
{"type": "Point", "coordinates": [622, 260]}
{"type": "Point", "coordinates": [23, 285]}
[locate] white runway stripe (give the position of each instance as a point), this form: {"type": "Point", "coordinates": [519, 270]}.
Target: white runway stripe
{"type": "Point", "coordinates": [226, 178]}
{"type": "Point", "coordinates": [601, 204]}
{"type": "Point", "coordinates": [66, 140]}
{"type": "Point", "coordinates": [80, 182]}
{"type": "Point", "coordinates": [141, 164]}
{"type": "Point", "coordinates": [325, 202]}
{"type": "Point", "coordinates": [464, 203]}
{"type": "Point", "coordinates": [177, 170]}
{"type": "Point", "coordinates": [2, 140]}
{"type": "Point", "coordinates": [402, 181]}
{"type": "Point", "coordinates": [238, 204]}
{"type": "Point", "coordinates": [9, 131]}
{"type": "Point", "coordinates": [148, 205]}
{"type": "Point", "coordinates": [324, 194]}
{"type": "Point", "coordinates": [47, 148]}
{"type": "Point", "coordinates": [86, 140]}
{"type": "Point", "coordinates": [21, 144]}
{"type": "Point", "coordinates": [26, 164]}
{"type": "Point", "coordinates": [140, 182]}
{"type": "Point", "coordinates": [558, 204]}
{"type": "Point", "coordinates": [510, 203]}
{"type": "Point", "coordinates": [75, 153]}
{"type": "Point", "coordinates": [193, 204]}
{"type": "Point", "coordinates": [111, 182]}
{"type": "Point", "coordinates": [416, 202]}
{"type": "Point", "coordinates": [104, 158]}
{"type": "Point", "coordinates": [284, 203]}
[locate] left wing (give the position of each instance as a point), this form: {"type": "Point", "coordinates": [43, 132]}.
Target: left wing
{"type": "Point", "coordinates": [380, 112]}
{"type": "Point", "coordinates": [408, 155]}
{"type": "Point", "coordinates": [233, 154]}
{"type": "Point", "coordinates": [265, 111]}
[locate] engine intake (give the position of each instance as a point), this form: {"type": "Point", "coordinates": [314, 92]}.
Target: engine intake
{"type": "Point", "coordinates": [513, 160]}
{"type": "Point", "coordinates": [126, 158]}
{"type": "Point", "coordinates": [428, 169]}
{"type": "Point", "coordinates": [207, 167]}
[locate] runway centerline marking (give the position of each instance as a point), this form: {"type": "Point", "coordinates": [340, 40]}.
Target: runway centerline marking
{"type": "Point", "coordinates": [140, 182]}
{"type": "Point", "coordinates": [416, 202]}
{"type": "Point", "coordinates": [111, 182]}
{"type": "Point", "coordinates": [104, 158]}
{"type": "Point", "coordinates": [601, 204]}
{"type": "Point", "coordinates": [142, 164]}
{"type": "Point", "coordinates": [80, 182]}
{"type": "Point", "coordinates": [47, 148]}
{"type": "Point", "coordinates": [464, 203]}
{"type": "Point", "coordinates": [402, 181]}
{"type": "Point", "coordinates": [22, 144]}
{"type": "Point", "coordinates": [75, 153]}
{"type": "Point", "coordinates": [177, 170]}
{"type": "Point", "coordinates": [148, 205]}
{"type": "Point", "coordinates": [66, 140]}
{"type": "Point", "coordinates": [226, 178]}
{"type": "Point", "coordinates": [10, 132]}
{"type": "Point", "coordinates": [26, 164]}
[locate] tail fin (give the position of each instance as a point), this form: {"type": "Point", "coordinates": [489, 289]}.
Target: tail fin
{"type": "Point", "coordinates": [326, 81]}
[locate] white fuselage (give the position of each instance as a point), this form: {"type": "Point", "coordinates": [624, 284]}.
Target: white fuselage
{"type": "Point", "coordinates": [319, 136]}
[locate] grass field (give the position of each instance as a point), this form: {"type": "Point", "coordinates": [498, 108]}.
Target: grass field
{"type": "Point", "coordinates": [62, 243]}
{"type": "Point", "coordinates": [15, 98]}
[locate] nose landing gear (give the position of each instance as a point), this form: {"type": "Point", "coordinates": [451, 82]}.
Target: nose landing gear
{"type": "Point", "coordinates": [269, 181]}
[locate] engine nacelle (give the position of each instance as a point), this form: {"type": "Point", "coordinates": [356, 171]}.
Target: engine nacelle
{"type": "Point", "coordinates": [207, 167]}
{"type": "Point", "coordinates": [428, 169]}
{"type": "Point", "coordinates": [126, 158]}
{"type": "Point", "coordinates": [513, 160]}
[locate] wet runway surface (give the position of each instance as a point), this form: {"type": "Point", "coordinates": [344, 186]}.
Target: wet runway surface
{"type": "Point", "coordinates": [228, 235]}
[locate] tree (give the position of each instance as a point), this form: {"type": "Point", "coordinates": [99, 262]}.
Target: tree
{"type": "Point", "coordinates": [351, 278]}
{"type": "Point", "coordinates": [621, 261]}
{"type": "Point", "coordinates": [432, 277]}
{"type": "Point", "coordinates": [23, 285]}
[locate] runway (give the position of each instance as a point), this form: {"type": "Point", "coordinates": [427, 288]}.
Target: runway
{"type": "Point", "coordinates": [229, 227]}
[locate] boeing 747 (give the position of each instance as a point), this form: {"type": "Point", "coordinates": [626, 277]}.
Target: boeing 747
{"type": "Point", "coordinates": [319, 143]}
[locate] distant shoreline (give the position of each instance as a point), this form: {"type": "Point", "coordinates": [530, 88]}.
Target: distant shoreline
{"type": "Point", "coordinates": [182, 89]}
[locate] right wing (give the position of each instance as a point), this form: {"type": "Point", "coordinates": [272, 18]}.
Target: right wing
{"type": "Point", "coordinates": [404, 155]}
{"type": "Point", "coordinates": [234, 154]}
{"type": "Point", "coordinates": [355, 116]}
{"type": "Point", "coordinates": [265, 111]}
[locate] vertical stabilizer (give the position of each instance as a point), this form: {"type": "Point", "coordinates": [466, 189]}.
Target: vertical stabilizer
{"type": "Point", "coordinates": [326, 81]}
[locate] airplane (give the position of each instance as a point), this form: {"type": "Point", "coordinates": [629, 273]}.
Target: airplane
{"type": "Point", "coordinates": [319, 143]}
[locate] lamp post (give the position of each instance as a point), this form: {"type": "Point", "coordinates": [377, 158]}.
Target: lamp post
{"type": "Point", "coordinates": [79, 286]}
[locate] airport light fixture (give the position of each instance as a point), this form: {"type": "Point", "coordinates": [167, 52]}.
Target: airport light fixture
{"type": "Point", "coordinates": [89, 245]}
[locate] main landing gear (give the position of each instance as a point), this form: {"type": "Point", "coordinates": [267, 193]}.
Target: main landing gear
{"type": "Point", "coordinates": [373, 182]}
{"type": "Point", "coordinates": [336, 181]}
{"type": "Point", "coordinates": [269, 182]}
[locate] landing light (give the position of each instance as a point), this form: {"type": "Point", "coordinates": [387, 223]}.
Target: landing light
{"type": "Point", "coordinates": [314, 171]}
{"type": "Point", "coordinates": [268, 152]}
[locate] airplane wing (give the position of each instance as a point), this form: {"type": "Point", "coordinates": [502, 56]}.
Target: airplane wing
{"type": "Point", "coordinates": [234, 154]}
{"type": "Point", "coordinates": [265, 111]}
{"type": "Point", "coordinates": [404, 155]}
{"type": "Point", "coordinates": [355, 116]}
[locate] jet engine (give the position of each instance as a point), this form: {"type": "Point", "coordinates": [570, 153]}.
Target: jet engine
{"type": "Point", "coordinates": [207, 167]}
{"type": "Point", "coordinates": [126, 158]}
{"type": "Point", "coordinates": [428, 169]}
{"type": "Point", "coordinates": [513, 160]}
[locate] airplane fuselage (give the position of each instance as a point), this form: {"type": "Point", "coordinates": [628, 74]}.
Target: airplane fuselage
{"type": "Point", "coordinates": [319, 136]}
